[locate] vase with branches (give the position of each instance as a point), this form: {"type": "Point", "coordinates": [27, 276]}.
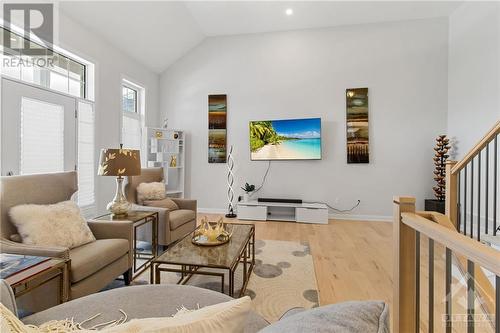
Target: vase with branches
{"type": "Point", "coordinates": [440, 158]}
{"type": "Point", "coordinates": [441, 155]}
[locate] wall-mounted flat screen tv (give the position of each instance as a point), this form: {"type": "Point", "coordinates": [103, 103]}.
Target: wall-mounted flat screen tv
{"type": "Point", "coordinates": [287, 139]}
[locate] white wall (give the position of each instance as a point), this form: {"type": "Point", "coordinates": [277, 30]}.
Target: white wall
{"type": "Point", "coordinates": [305, 74]}
{"type": "Point", "coordinates": [473, 72]}
{"type": "Point", "coordinates": [111, 66]}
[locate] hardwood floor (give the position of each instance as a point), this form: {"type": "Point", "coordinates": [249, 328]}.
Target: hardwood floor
{"type": "Point", "coordinates": [352, 259]}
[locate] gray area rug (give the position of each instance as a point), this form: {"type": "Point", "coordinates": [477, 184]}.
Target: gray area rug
{"type": "Point", "coordinates": [283, 278]}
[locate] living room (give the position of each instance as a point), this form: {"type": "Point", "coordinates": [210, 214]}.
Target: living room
{"type": "Point", "coordinates": [264, 165]}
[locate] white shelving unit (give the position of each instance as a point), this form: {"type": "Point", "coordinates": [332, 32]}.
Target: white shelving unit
{"type": "Point", "coordinates": [162, 145]}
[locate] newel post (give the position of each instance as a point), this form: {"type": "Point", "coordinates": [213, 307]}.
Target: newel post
{"type": "Point", "coordinates": [404, 279]}
{"type": "Point", "coordinates": [451, 197]}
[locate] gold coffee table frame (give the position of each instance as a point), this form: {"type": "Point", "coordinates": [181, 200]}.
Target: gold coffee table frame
{"type": "Point", "coordinates": [189, 259]}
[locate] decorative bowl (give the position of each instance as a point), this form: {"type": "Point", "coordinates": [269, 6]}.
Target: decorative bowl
{"type": "Point", "coordinates": [212, 233]}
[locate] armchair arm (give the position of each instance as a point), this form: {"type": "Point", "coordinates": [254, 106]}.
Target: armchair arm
{"type": "Point", "coordinates": [7, 246]}
{"type": "Point", "coordinates": [163, 221]}
{"type": "Point", "coordinates": [186, 203]}
{"type": "Point", "coordinates": [114, 229]}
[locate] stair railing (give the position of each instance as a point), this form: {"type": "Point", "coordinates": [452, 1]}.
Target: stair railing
{"type": "Point", "coordinates": [409, 227]}
{"type": "Point", "coordinates": [472, 190]}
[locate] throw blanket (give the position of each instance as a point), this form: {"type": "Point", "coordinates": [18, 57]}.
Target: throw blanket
{"type": "Point", "coordinates": [10, 323]}
{"type": "Point", "coordinates": [227, 317]}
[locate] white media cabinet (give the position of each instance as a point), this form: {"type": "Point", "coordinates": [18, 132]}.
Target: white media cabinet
{"type": "Point", "coordinates": [278, 211]}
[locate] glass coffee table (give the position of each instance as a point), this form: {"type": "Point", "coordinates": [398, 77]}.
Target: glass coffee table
{"type": "Point", "coordinates": [188, 259]}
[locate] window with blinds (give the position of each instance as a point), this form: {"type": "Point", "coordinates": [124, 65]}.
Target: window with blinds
{"type": "Point", "coordinates": [47, 131]}
{"type": "Point", "coordinates": [129, 96]}
{"type": "Point", "coordinates": [42, 146]}
{"type": "Point", "coordinates": [58, 72]}
{"type": "Point", "coordinates": [132, 115]}
{"type": "Point", "coordinates": [86, 164]}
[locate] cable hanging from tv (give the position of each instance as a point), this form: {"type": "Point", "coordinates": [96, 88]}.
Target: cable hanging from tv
{"type": "Point", "coordinates": [343, 210]}
{"type": "Point", "coordinates": [263, 178]}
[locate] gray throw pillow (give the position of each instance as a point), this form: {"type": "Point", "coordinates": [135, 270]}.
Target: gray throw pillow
{"type": "Point", "coordinates": [347, 317]}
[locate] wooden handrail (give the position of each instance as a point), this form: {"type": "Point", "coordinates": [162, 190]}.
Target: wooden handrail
{"type": "Point", "coordinates": [473, 250]}
{"type": "Point", "coordinates": [492, 133]}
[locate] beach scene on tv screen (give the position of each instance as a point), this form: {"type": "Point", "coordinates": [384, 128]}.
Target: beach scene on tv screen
{"type": "Point", "coordinates": [291, 139]}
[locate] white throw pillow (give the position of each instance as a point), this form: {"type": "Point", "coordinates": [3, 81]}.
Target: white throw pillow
{"type": "Point", "coordinates": [227, 317]}
{"type": "Point", "coordinates": [59, 224]}
{"type": "Point", "coordinates": [151, 191]}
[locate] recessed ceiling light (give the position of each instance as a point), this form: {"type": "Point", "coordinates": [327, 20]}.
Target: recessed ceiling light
{"type": "Point", "coordinates": [289, 11]}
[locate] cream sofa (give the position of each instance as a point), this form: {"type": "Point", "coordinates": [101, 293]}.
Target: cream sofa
{"type": "Point", "coordinates": [94, 265]}
{"type": "Point", "coordinates": [173, 224]}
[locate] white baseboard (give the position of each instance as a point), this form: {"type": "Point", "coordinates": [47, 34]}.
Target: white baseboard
{"type": "Point", "coordinates": [211, 211]}
{"type": "Point", "coordinates": [364, 218]}
{"type": "Point", "coordinates": [367, 218]}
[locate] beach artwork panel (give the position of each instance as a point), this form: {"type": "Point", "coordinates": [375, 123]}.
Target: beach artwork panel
{"type": "Point", "coordinates": [357, 125]}
{"type": "Point", "coordinates": [290, 139]}
{"type": "Point", "coordinates": [217, 130]}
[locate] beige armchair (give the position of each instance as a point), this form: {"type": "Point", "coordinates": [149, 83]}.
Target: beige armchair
{"type": "Point", "coordinates": [173, 224]}
{"type": "Point", "coordinates": [94, 265]}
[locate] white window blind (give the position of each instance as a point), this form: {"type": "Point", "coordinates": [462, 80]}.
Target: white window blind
{"type": "Point", "coordinates": [42, 137]}
{"type": "Point", "coordinates": [133, 110]}
{"type": "Point", "coordinates": [131, 131]}
{"type": "Point", "coordinates": [86, 165]}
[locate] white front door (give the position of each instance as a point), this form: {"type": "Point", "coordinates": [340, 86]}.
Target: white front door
{"type": "Point", "coordinates": [38, 130]}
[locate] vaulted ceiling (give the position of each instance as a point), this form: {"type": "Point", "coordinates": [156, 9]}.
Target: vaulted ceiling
{"type": "Point", "coordinates": [157, 33]}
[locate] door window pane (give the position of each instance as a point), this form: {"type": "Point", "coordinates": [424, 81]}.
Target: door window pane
{"type": "Point", "coordinates": [42, 137]}
{"type": "Point", "coordinates": [86, 166]}
{"type": "Point", "coordinates": [6, 69]}
{"type": "Point", "coordinates": [76, 70]}
{"type": "Point", "coordinates": [76, 88]}
{"type": "Point", "coordinates": [58, 82]}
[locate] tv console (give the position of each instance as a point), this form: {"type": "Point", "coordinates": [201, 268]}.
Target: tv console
{"type": "Point", "coordinates": [282, 211]}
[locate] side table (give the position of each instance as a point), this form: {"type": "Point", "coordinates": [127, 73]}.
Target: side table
{"type": "Point", "coordinates": [139, 219]}
{"type": "Point", "coordinates": [30, 278]}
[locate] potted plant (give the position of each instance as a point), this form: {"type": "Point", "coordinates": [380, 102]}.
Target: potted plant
{"type": "Point", "coordinates": [248, 191]}
{"type": "Point", "coordinates": [441, 149]}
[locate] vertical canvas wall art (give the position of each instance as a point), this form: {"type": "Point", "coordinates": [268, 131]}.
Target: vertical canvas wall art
{"type": "Point", "coordinates": [217, 130]}
{"type": "Point", "coordinates": [357, 126]}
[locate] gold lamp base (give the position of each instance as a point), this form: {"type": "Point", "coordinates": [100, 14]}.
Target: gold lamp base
{"type": "Point", "coordinates": [119, 206]}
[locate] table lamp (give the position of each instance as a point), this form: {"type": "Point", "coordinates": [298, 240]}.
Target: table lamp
{"type": "Point", "coordinates": [119, 162]}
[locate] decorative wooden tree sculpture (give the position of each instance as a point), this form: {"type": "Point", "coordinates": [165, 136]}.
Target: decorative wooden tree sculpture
{"type": "Point", "coordinates": [442, 148]}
